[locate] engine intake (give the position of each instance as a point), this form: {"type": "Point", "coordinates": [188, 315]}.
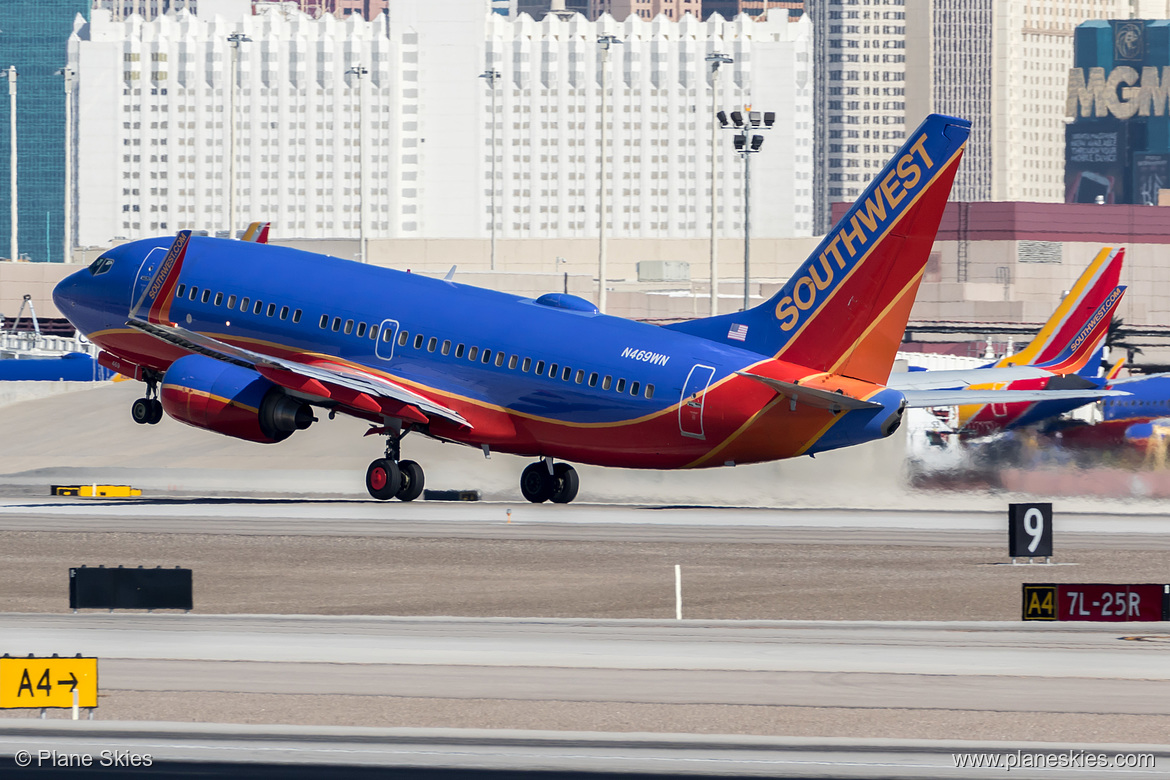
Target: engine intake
{"type": "Point", "coordinates": [232, 400]}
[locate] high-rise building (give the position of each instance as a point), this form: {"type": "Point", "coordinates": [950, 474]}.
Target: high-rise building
{"type": "Point", "coordinates": [859, 73]}
{"type": "Point", "coordinates": [1003, 65]}
{"type": "Point", "coordinates": [34, 40]}
{"type": "Point", "coordinates": [154, 144]}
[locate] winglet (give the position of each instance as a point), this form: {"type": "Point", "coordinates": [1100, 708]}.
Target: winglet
{"type": "Point", "coordinates": [161, 291]}
{"type": "Point", "coordinates": [1115, 371]}
{"type": "Point", "coordinates": [257, 233]}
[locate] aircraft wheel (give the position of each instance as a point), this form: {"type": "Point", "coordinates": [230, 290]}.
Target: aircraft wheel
{"type": "Point", "coordinates": [412, 481]}
{"type": "Point", "coordinates": [383, 479]}
{"type": "Point", "coordinates": [156, 412]}
{"type": "Point", "coordinates": [536, 483]}
{"type": "Point", "coordinates": [565, 483]}
{"type": "Point", "coordinates": [142, 411]}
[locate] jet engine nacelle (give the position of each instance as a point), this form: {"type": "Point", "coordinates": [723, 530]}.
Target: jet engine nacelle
{"type": "Point", "coordinates": [232, 400]}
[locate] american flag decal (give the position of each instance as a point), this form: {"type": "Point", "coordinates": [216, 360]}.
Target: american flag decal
{"type": "Point", "coordinates": [738, 332]}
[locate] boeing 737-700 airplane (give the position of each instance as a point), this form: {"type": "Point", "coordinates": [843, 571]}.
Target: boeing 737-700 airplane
{"type": "Point", "coordinates": [248, 339]}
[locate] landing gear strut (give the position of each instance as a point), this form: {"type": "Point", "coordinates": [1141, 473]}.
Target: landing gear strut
{"type": "Point", "coordinates": [544, 481]}
{"type": "Point", "coordinates": [148, 410]}
{"type": "Point", "coordinates": [389, 477]}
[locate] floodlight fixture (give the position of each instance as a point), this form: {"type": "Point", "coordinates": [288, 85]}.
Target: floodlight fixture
{"type": "Point", "coordinates": [722, 117]}
{"type": "Point", "coordinates": [737, 118]}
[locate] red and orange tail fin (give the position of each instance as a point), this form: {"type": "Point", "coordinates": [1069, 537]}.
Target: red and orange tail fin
{"type": "Point", "coordinates": [1097, 283]}
{"type": "Point", "coordinates": [257, 233]}
{"type": "Point", "coordinates": [845, 309]}
{"type": "Point", "coordinates": [155, 302]}
{"type": "Point", "coordinates": [1115, 371]}
{"type": "Point", "coordinates": [1077, 352]}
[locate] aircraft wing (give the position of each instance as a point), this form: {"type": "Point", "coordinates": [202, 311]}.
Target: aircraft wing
{"type": "Point", "coordinates": [318, 380]}
{"type": "Point", "coordinates": [962, 377]}
{"type": "Point", "coordinates": [1137, 378]}
{"type": "Point", "coordinates": [920, 399]}
{"type": "Point", "coordinates": [812, 396]}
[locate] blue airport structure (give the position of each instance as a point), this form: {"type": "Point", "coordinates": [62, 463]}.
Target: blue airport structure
{"type": "Point", "coordinates": [33, 37]}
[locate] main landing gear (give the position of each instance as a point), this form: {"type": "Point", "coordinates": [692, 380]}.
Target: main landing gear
{"type": "Point", "coordinates": [389, 477]}
{"type": "Point", "coordinates": [543, 481]}
{"type": "Point", "coordinates": [148, 410]}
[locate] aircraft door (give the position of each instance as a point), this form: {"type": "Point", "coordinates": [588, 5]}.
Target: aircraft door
{"type": "Point", "coordinates": [146, 271]}
{"type": "Point", "coordinates": [387, 336]}
{"type": "Point", "coordinates": [694, 398]}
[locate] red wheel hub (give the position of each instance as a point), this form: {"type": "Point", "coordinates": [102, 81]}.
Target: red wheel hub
{"type": "Point", "coordinates": [378, 478]}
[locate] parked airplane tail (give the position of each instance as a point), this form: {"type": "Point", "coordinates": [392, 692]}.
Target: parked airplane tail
{"type": "Point", "coordinates": [1076, 352]}
{"type": "Point", "coordinates": [1096, 284]}
{"type": "Point", "coordinates": [845, 309]}
{"type": "Point", "coordinates": [257, 232]}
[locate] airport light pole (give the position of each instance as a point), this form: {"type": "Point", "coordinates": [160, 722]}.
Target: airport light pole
{"type": "Point", "coordinates": [68, 74]}
{"type": "Point", "coordinates": [491, 76]}
{"type": "Point", "coordinates": [747, 144]}
{"type": "Point", "coordinates": [605, 42]}
{"type": "Point", "coordinates": [13, 246]}
{"type": "Point", "coordinates": [359, 71]}
{"type": "Point", "coordinates": [716, 59]}
{"type": "Point", "coordinates": [235, 39]}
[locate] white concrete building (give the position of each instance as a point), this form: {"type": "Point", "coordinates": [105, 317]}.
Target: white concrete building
{"type": "Point", "coordinates": [154, 97]}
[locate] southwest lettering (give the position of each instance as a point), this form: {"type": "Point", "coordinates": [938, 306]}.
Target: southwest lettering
{"type": "Point", "coordinates": [920, 147]}
{"type": "Point", "coordinates": [787, 313]}
{"type": "Point", "coordinates": [890, 189]}
{"type": "Point", "coordinates": [875, 210]}
{"type": "Point", "coordinates": [907, 169]}
{"type": "Point", "coordinates": [828, 273]}
{"type": "Point", "coordinates": [804, 281]}
{"type": "Point", "coordinates": [836, 253]}
{"type": "Point", "coordinates": [857, 235]}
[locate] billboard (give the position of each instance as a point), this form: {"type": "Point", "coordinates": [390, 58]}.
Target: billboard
{"type": "Point", "coordinates": [1096, 155]}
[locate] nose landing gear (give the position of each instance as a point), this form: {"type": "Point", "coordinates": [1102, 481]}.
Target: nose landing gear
{"type": "Point", "coordinates": [148, 410]}
{"type": "Point", "coordinates": [544, 481]}
{"type": "Point", "coordinates": [389, 477]}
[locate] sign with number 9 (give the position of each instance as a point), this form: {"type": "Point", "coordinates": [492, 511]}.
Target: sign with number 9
{"type": "Point", "coordinates": [1030, 530]}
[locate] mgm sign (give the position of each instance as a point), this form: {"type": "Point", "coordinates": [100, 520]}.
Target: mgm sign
{"type": "Point", "coordinates": [1122, 94]}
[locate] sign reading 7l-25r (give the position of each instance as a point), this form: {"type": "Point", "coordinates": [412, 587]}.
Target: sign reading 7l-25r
{"type": "Point", "coordinates": [47, 682]}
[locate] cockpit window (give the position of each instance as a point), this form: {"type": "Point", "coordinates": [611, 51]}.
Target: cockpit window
{"type": "Point", "coordinates": [101, 265]}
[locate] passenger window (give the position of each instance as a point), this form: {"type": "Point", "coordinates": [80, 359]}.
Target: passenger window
{"type": "Point", "coordinates": [459, 351]}
{"type": "Point", "coordinates": [434, 342]}
{"type": "Point", "coordinates": [649, 391]}
{"type": "Point", "coordinates": [499, 359]}
{"type": "Point", "coordinates": [512, 361]}
{"type": "Point", "coordinates": [297, 315]}
{"type": "Point", "coordinates": [418, 340]}
{"type": "Point", "coordinates": [580, 377]}
{"type": "Point", "coordinates": [178, 293]}
{"type": "Point", "coordinates": [552, 371]}
{"type": "Point", "coordinates": [593, 379]}
{"type": "Point", "coordinates": [527, 364]}
{"type": "Point", "coordinates": [540, 368]}
{"type": "Point", "coordinates": [284, 312]}
{"type": "Point", "coordinates": [348, 327]}
{"type": "Point", "coordinates": [446, 347]}
{"type": "Point", "coordinates": [568, 372]}
{"type": "Point", "coordinates": [361, 331]}
{"type": "Point", "coordinates": [607, 382]}
{"type": "Point", "coordinates": [336, 324]}
{"type": "Point", "coordinates": [388, 335]}
{"type": "Point", "coordinates": [259, 307]}
{"type": "Point", "coordinates": [403, 337]}
{"type": "Point", "coordinates": [324, 320]}
{"type": "Point", "coordinates": [206, 296]}
{"type": "Point", "coordinates": [271, 310]}
{"type": "Point", "coordinates": [487, 356]}
{"type": "Point", "coordinates": [231, 301]}
{"type": "Point", "coordinates": [473, 353]}
{"type": "Point", "coordinates": [635, 387]}
{"type": "Point", "coordinates": [219, 299]}
{"type": "Point", "coordinates": [374, 332]}
{"type": "Point", "coordinates": [244, 304]}
{"type": "Point", "coordinates": [621, 386]}
{"type": "Point", "coordinates": [194, 293]}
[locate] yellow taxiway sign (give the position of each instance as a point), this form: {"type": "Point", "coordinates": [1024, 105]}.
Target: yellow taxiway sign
{"type": "Point", "coordinates": [47, 682]}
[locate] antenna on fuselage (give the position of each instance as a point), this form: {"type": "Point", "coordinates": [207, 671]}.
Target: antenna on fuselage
{"type": "Point", "coordinates": [450, 274]}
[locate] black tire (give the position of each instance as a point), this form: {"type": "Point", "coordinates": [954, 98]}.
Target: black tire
{"type": "Point", "coordinates": [565, 483]}
{"type": "Point", "coordinates": [142, 410]}
{"type": "Point", "coordinates": [412, 481]}
{"type": "Point", "coordinates": [383, 479]}
{"type": "Point", "coordinates": [536, 483]}
{"type": "Point", "coordinates": [156, 412]}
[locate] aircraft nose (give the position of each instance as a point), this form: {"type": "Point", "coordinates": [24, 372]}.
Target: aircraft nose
{"type": "Point", "coordinates": [65, 293]}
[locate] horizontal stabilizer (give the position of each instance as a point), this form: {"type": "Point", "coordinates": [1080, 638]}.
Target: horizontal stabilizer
{"type": "Point", "coordinates": [811, 396]}
{"type": "Point", "coordinates": [953, 379]}
{"type": "Point", "coordinates": [922, 399]}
